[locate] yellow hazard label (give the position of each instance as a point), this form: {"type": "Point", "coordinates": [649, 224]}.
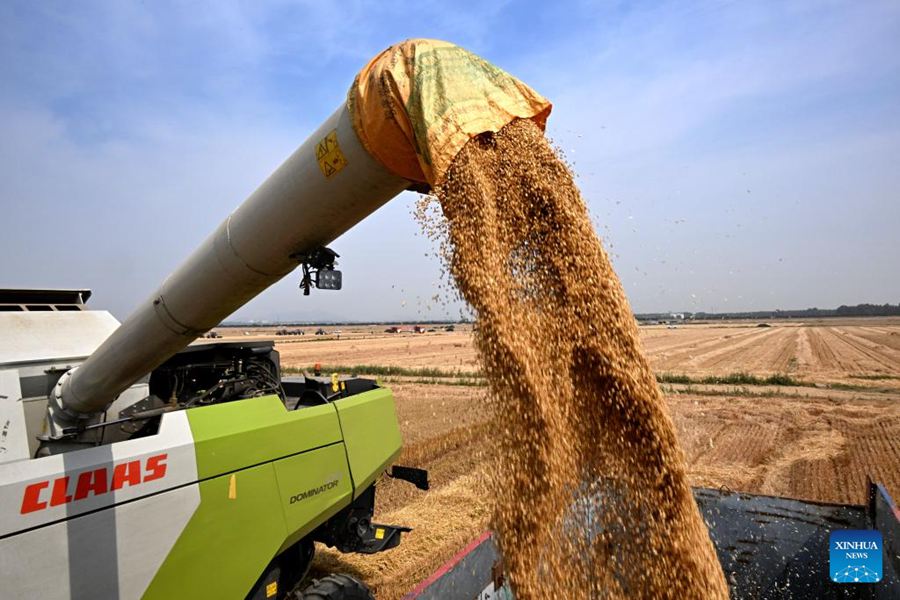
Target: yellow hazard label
{"type": "Point", "coordinates": [232, 487]}
{"type": "Point", "coordinates": [328, 153]}
{"type": "Point", "coordinates": [271, 589]}
{"type": "Point", "coordinates": [379, 533]}
{"type": "Point", "coordinates": [334, 382]}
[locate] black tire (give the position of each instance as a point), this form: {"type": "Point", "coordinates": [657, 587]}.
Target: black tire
{"type": "Point", "coordinates": [336, 587]}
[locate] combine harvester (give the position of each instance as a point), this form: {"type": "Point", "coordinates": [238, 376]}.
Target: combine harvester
{"type": "Point", "coordinates": [136, 465]}
{"type": "Point", "coordinates": [133, 465]}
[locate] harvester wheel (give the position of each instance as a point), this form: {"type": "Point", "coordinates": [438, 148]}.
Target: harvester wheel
{"type": "Point", "coordinates": [336, 587]}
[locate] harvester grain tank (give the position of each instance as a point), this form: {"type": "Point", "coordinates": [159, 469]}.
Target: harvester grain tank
{"type": "Point", "coordinates": [133, 465]}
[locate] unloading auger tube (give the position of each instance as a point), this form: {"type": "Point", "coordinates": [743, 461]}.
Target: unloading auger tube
{"type": "Point", "coordinates": [296, 210]}
{"type": "Point", "coordinates": [408, 113]}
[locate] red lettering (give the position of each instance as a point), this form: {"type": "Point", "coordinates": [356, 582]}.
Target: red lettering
{"type": "Point", "coordinates": [126, 474]}
{"type": "Point", "coordinates": [31, 501]}
{"type": "Point", "coordinates": [91, 482]}
{"type": "Point", "coordinates": [156, 467]}
{"type": "Point", "coordinates": [59, 495]}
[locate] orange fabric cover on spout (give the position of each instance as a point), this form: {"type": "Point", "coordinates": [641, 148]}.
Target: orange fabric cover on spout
{"type": "Point", "coordinates": [415, 105]}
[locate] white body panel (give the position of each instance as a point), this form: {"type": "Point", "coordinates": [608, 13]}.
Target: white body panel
{"type": "Point", "coordinates": [31, 343]}
{"type": "Point", "coordinates": [13, 432]}
{"type": "Point", "coordinates": [48, 335]}
{"type": "Point", "coordinates": [174, 440]}
{"type": "Point", "coordinates": [106, 545]}
{"type": "Point", "coordinates": [113, 553]}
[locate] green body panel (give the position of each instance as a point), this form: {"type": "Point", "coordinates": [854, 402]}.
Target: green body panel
{"type": "Point", "coordinates": [239, 434]}
{"type": "Point", "coordinates": [371, 434]}
{"type": "Point", "coordinates": [227, 543]}
{"type": "Point", "coordinates": [313, 487]}
{"type": "Point", "coordinates": [268, 477]}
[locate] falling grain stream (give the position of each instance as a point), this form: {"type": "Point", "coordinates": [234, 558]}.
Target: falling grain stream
{"type": "Point", "coordinates": [591, 495]}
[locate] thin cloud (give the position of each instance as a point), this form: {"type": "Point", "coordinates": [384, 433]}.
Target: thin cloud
{"type": "Point", "coordinates": [129, 131]}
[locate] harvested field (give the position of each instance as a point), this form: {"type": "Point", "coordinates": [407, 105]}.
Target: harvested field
{"type": "Point", "coordinates": [813, 352]}
{"type": "Point", "coordinates": [820, 447]}
{"type": "Point", "coordinates": [814, 444]}
{"type": "Point", "coordinates": [816, 441]}
{"type": "Point", "coordinates": [451, 351]}
{"type": "Point", "coordinates": [847, 350]}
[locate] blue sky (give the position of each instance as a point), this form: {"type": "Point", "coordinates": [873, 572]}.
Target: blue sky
{"type": "Point", "coordinates": [734, 155]}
